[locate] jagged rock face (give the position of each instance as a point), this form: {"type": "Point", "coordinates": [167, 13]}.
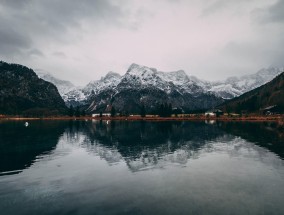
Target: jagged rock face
{"type": "Point", "coordinates": [83, 96]}
{"type": "Point", "coordinates": [132, 99]}
{"type": "Point", "coordinates": [143, 85]}
{"type": "Point", "coordinates": [269, 94]}
{"type": "Point", "coordinates": [149, 86]}
{"type": "Point", "coordinates": [21, 89]}
{"type": "Point", "coordinates": [71, 94]}
{"type": "Point", "coordinates": [144, 77]}
{"type": "Point", "coordinates": [236, 86]}
{"type": "Point", "coordinates": [62, 85]}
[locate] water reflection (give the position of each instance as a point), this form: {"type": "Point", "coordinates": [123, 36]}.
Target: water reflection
{"type": "Point", "coordinates": [147, 145]}
{"type": "Point", "coordinates": [144, 145]}
{"type": "Point", "coordinates": [21, 145]}
{"type": "Point", "coordinates": [268, 135]}
{"type": "Point", "coordinates": [141, 145]}
{"type": "Point", "coordinates": [79, 167]}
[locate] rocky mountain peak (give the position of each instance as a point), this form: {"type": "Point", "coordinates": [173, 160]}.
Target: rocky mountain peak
{"type": "Point", "coordinates": [23, 92]}
{"type": "Point", "coordinates": [111, 75]}
{"type": "Point", "coordinates": [139, 78]}
{"type": "Point", "coordinates": [272, 71]}
{"type": "Point", "coordinates": [62, 85]}
{"type": "Point", "coordinates": [136, 69]}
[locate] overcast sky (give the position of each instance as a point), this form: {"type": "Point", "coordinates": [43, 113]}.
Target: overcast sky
{"type": "Point", "coordinates": [83, 40]}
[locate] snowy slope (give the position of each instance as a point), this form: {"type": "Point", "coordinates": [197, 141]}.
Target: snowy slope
{"type": "Point", "coordinates": [141, 84]}
{"type": "Point", "coordinates": [173, 83]}
{"type": "Point", "coordinates": [62, 86]}
{"type": "Point", "coordinates": [144, 77]}
{"type": "Point", "coordinates": [236, 86]}
{"type": "Point", "coordinates": [111, 80]}
{"type": "Point", "coordinates": [80, 96]}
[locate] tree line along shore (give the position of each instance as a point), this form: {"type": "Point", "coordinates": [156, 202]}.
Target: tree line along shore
{"type": "Point", "coordinates": [186, 117]}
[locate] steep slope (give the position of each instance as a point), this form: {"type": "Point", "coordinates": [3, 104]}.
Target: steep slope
{"type": "Point", "coordinates": [62, 85]}
{"type": "Point", "coordinates": [270, 94]}
{"type": "Point", "coordinates": [236, 86]}
{"type": "Point", "coordinates": [22, 91]}
{"type": "Point", "coordinates": [81, 96]}
{"type": "Point", "coordinates": [144, 85]}
{"type": "Point", "coordinates": [144, 77]}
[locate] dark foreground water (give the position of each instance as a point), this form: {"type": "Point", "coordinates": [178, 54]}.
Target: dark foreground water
{"type": "Point", "coordinates": [84, 167]}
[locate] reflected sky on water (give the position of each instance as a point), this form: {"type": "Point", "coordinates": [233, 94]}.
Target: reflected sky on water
{"type": "Point", "coordinates": [118, 167]}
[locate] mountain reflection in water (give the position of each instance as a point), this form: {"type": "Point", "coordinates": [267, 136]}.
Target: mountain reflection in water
{"type": "Point", "coordinates": [20, 145]}
{"type": "Point", "coordinates": [144, 145]}
{"type": "Point", "coordinates": [141, 145]}
{"type": "Point", "coordinates": [121, 167]}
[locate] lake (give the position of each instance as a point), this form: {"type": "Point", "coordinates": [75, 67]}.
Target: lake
{"type": "Point", "coordinates": [121, 167]}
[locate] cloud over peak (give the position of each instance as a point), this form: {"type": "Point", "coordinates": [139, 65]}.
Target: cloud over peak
{"type": "Point", "coordinates": [82, 40]}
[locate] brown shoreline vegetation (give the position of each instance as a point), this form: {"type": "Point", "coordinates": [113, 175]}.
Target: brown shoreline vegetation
{"type": "Point", "coordinates": [193, 117]}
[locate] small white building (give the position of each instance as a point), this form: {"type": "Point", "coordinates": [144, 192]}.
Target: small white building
{"type": "Point", "coordinates": [210, 113]}
{"type": "Point", "coordinates": [213, 113]}
{"type": "Point", "coordinates": [98, 114]}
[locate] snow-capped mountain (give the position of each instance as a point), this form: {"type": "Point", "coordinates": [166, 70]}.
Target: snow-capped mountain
{"type": "Point", "coordinates": [111, 80]}
{"type": "Point", "coordinates": [270, 94]}
{"type": "Point", "coordinates": [236, 86]}
{"type": "Point", "coordinates": [23, 92]}
{"type": "Point", "coordinates": [141, 84]}
{"type": "Point", "coordinates": [62, 86]}
{"type": "Point", "coordinates": [80, 96]}
{"type": "Point", "coordinates": [145, 77]}
{"type": "Point", "coordinates": [148, 86]}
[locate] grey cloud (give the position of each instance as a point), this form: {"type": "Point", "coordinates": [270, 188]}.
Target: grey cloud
{"type": "Point", "coordinates": [25, 22]}
{"type": "Point", "coordinates": [35, 52]}
{"type": "Point", "coordinates": [59, 54]}
{"type": "Point", "coordinates": [214, 7]}
{"type": "Point", "coordinates": [15, 3]}
{"type": "Point", "coordinates": [219, 5]}
{"type": "Point", "coordinates": [12, 41]}
{"type": "Point", "coordinates": [64, 14]}
{"type": "Point", "coordinates": [71, 37]}
{"type": "Point", "coordinates": [246, 50]}
{"type": "Point", "coordinates": [272, 14]}
{"type": "Point", "coordinates": [258, 53]}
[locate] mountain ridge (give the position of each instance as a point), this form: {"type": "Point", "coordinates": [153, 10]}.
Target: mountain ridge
{"type": "Point", "coordinates": [175, 83]}
{"type": "Point", "coordinates": [227, 89]}
{"type": "Point", "coordinates": [22, 91]}
{"type": "Point", "coordinates": [270, 94]}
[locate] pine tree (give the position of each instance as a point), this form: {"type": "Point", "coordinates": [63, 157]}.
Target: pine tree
{"type": "Point", "coordinates": [143, 111]}
{"type": "Point", "coordinates": [71, 111]}
{"type": "Point", "coordinates": [170, 110]}
{"type": "Point", "coordinates": [77, 112]}
{"type": "Point", "coordinates": [112, 112]}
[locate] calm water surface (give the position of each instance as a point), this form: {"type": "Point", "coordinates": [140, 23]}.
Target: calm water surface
{"type": "Point", "coordinates": [85, 167]}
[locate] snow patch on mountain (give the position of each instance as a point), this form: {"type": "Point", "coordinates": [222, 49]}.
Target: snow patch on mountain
{"type": "Point", "coordinates": [111, 80]}
{"type": "Point", "coordinates": [144, 77]}
{"type": "Point", "coordinates": [79, 96]}
{"type": "Point", "coordinates": [62, 86]}
{"type": "Point", "coordinates": [141, 77]}
{"type": "Point", "coordinates": [236, 86]}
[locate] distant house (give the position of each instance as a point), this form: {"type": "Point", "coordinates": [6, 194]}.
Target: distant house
{"type": "Point", "coordinates": [97, 114]}
{"type": "Point", "coordinates": [214, 113]}
{"type": "Point", "coordinates": [270, 110]}
{"type": "Point", "coordinates": [209, 113]}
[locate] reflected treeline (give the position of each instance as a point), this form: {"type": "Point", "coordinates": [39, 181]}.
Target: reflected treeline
{"type": "Point", "coordinates": [266, 134]}
{"type": "Point", "coordinates": [145, 144]}
{"type": "Point", "coordinates": [139, 144]}
{"type": "Point", "coordinates": [20, 145]}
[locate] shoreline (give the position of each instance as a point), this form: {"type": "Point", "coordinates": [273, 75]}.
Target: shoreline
{"type": "Point", "coordinates": [278, 118]}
